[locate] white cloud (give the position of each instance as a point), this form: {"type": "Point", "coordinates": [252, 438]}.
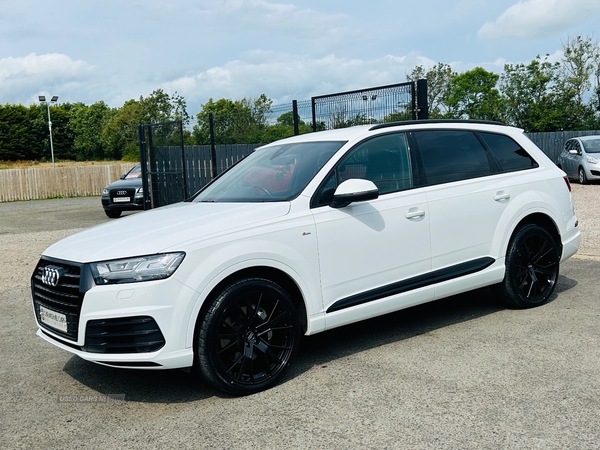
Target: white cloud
{"type": "Point", "coordinates": [41, 74]}
{"type": "Point", "coordinates": [539, 18]}
{"type": "Point", "coordinates": [285, 77]}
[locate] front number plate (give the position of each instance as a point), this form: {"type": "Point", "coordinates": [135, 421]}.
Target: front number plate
{"type": "Point", "coordinates": [121, 199]}
{"type": "Point", "coordinates": [53, 318]}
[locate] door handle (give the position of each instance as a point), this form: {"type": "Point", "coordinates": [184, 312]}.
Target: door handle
{"type": "Point", "coordinates": [502, 197]}
{"type": "Point", "coordinates": [414, 213]}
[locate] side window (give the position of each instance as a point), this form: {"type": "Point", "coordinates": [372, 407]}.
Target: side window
{"type": "Point", "coordinates": [508, 153]}
{"type": "Point", "coordinates": [577, 147]}
{"type": "Point", "coordinates": [451, 155]}
{"type": "Point", "coordinates": [384, 160]}
{"type": "Point", "coordinates": [568, 146]}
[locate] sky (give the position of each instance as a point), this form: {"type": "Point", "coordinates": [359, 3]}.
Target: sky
{"type": "Point", "coordinates": [116, 50]}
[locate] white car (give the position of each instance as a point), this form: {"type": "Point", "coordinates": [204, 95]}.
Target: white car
{"type": "Point", "coordinates": [304, 235]}
{"type": "Point", "coordinates": [580, 158]}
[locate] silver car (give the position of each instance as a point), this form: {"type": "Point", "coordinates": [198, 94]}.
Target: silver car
{"type": "Point", "coordinates": [580, 158]}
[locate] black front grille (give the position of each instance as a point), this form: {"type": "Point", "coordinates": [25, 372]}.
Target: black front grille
{"type": "Point", "coordinates": [124, 335]}
{"type": "Point", "coordinates": [596, 173]}
{"type": "Point", "coordinates": [63, 298]}
{"type": "Point", "coordinates": [122, 192]}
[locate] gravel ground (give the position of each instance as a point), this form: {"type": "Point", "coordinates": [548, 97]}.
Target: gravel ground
{"type": "Point", "coordinates": [587, 207]}
{"type": "Point", "coordinates": [459, 373]}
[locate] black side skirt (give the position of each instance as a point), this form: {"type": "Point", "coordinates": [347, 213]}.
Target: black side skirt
{"type": "Point", "coordinates": [445, 274]}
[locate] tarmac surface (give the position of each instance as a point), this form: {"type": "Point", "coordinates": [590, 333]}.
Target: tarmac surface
{"type": "Point", "coordinates": [460, 373]}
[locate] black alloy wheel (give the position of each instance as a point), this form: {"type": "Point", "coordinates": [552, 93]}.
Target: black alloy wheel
{"type": "Point", "coordinates": [532, 265]}
{"type": "Point", "coordinates": [248, 337]}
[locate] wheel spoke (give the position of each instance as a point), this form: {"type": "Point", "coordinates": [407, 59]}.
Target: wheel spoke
{"type": "Point", "coordinates": [228, 347]}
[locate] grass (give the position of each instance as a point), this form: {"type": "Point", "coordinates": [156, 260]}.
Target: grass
{"type": "Point", "coordinates": [28, 164]}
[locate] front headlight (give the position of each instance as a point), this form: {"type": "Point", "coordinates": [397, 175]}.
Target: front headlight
{"type": "Point", "coordinates": [139, 191]}
{"type": "Point", "coordinates": [133, 270]}
{"type": "Point", "coordinates": [104, 191]}
{"type": "Point", "coordinates": [591, 159]}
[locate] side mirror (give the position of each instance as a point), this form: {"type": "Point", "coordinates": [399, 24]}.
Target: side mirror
{"type": "Point", "coordinates": [573, 152]}
{"type": "Point", "coordinates": [354, 190]}
{"type": "Point", "coordinates": [122, 177]}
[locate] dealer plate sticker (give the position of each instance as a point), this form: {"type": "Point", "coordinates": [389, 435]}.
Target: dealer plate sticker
{"type": "Point", "coordinates": [121, 199]}
{"type": "Point", "coordinates": [53, 318]}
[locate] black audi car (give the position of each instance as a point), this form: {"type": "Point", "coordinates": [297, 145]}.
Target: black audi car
{"type": "Point", "coordinates": [125, 194]}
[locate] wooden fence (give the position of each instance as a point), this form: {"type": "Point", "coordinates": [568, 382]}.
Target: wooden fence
{"type": "Point", "coordinates": [40, 183]}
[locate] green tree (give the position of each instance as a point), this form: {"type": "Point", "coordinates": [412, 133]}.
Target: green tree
{"type": "Point", "coordinates": [473, 95]}
{"type": "Point", "coordinates": [162, 107]}
{"type": "Point", "coordinates": [581, 62]}
{"type": "Point", "coordinates": [438, 79]}
{"type": "Point", "coordinates": [88, 124]}
{"type": "Point", "coordinates": [15, 133]}
{"type": "Point", "coordinates": [235, 122]}
{"type": "Point", "coordinates": [529, 95]}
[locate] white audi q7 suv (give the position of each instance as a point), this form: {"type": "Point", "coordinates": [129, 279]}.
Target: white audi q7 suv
{"type": "Point", "coordinates": [304, 235]}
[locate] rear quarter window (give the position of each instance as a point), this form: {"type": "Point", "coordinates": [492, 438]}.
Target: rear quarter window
{"type": "Point", "coordinates": [451, 155]}
{"type": "Point", "coordinates": [508, 153]}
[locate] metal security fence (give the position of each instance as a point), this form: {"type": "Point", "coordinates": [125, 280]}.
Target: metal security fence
{"type": "Point", "coordinates": [381, 104]}
{"type": "Point", "coordinates": [172, 173]}
{"type": "Point", "coordinates": [303, 111]}
{"type": "Point", "coordinates": [197, 169]}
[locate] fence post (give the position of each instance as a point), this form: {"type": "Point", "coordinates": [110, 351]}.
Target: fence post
{"type": "Point", "coordinates": [144, 163]}
{"type": "Point", "coordinates": [295, 112]}
{"type": "Point", "coordinates": [422, 102]}
{"type": "Point", "coordinates": [213, 150]}
{"type": "Point", "coordinates": [313, 108]}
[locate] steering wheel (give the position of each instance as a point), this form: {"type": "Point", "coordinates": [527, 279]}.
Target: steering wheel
{"type": "Point", "coordinates": [262, 188]}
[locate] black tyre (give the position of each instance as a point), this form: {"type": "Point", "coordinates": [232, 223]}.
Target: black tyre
{"type": "Point", "coordinates": [582, 176]}
{"type": "Point", "coordinates": [248, 337]}
{"type": "Point", "coordinates": [112, 213]}
{"type": "Point", "coordinates": [532, 264]}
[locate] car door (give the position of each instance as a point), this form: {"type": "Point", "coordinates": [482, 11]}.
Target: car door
{"type": "Point", "coordinates": [576, 159]}
{"type": "Point", "coordinates": [467, 197]}
{"type": "Point", "coordinates": [565, 158]}
{"type": "Point", "coordinates": [373, 255]}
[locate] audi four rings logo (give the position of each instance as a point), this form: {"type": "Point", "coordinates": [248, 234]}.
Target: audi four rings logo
{"type": "Point", "coordinates": [121, 192]}
{"type": "Point", "coordinates": [51, 275]}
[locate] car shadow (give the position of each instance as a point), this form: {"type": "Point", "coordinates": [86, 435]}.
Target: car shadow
{"type": "Point", "coordinates": [182, 386]}
{"type": "Point", "coordinates": [146, 386]}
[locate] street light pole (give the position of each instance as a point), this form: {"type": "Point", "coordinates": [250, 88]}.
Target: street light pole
{"type": "Point", "coordinates": [42, 99]}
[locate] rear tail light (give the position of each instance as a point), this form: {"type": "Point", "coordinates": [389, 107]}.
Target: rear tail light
{"type": "Point", "coordinates": [567, 181]}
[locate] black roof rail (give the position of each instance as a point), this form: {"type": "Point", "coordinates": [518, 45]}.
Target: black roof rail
{"type": "Point", "coordinates": [429, 121]}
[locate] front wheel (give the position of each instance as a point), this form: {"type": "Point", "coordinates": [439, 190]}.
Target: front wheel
{"type": "Point", "coordinates": [582, 176]}
{"type": "Point", "coordinates": [248, 337]}
{"type": "Point", "coordinates": [112, 213]}
{"type": "Point", "coordinates": [532, 263]}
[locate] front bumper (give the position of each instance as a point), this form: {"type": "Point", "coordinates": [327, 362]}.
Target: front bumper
{"type": "Point", "coordinates": [135, 325]}
{"type": "Point", "coordinates": [135, 205]}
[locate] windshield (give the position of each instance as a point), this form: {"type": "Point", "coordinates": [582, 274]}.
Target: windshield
{"type": "Point", "coordinates": [591, 145]}
{"type": "Point", "coordinates": [274, 173]}
{"type": "Point", "coordinates": [136, 172]}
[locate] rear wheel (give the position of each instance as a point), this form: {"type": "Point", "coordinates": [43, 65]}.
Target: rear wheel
{"type": "Point", "coordinates": [582, 176]}
{"type": "Point", "coordinates": [248, 337]}
{"type": "Point", "coordinates": [113, 213]}
{"type": "Point", "coordinates": [532, 264]}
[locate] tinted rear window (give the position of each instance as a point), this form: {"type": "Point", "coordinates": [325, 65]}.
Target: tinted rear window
{"type": "Point", "coordinates": [451, 156]}
{"type": "Point", "coordinates": [508, 153]}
